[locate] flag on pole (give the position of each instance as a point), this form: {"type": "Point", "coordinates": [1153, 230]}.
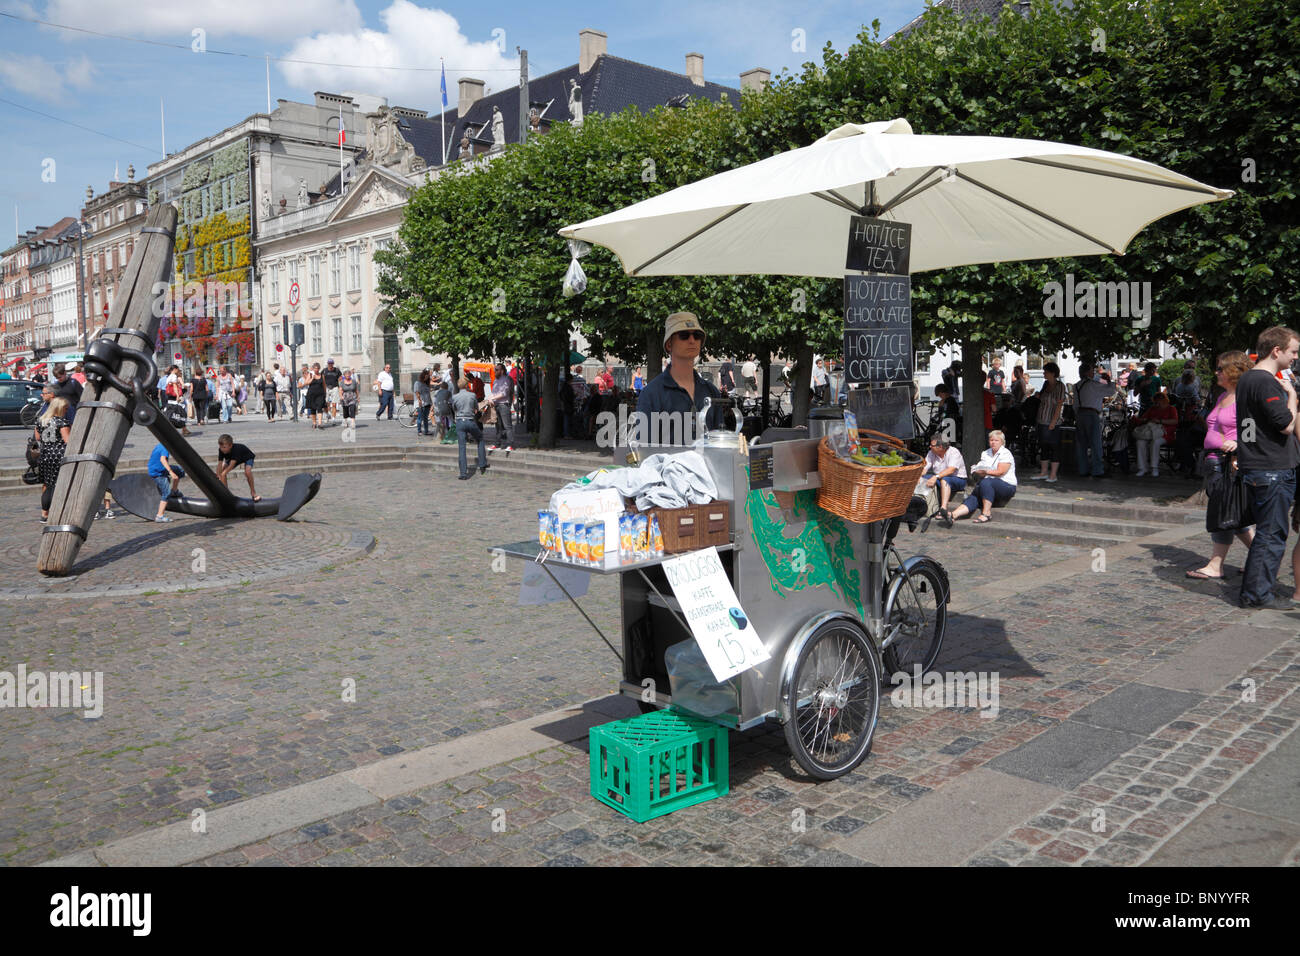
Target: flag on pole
{"type": "Point", "coordinates": [444, 85]}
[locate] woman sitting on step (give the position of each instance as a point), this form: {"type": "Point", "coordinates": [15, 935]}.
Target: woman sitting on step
{"type": "Point", "coordinates": [996, 478]}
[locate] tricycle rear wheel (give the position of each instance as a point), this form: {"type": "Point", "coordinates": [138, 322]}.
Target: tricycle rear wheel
{"type": "Point", "coordinates": [834, 700]}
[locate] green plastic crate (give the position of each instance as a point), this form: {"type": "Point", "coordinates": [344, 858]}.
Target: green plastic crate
{"type": "Point", "coordinates": [659, 762]}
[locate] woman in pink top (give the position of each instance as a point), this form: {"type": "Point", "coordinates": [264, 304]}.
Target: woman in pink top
{"type": "Point", "coordinates": [1220, 439]}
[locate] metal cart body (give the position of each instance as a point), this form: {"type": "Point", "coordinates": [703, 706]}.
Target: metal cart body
{"type": "Point", "coordinates": [793, 565]}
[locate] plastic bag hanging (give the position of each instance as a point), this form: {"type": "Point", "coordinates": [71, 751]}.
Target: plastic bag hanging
{"type": "Point", "coordinates": [575, 280]}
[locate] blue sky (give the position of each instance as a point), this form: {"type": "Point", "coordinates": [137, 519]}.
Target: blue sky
{"type": "Point", "coordinates": [113, 86]}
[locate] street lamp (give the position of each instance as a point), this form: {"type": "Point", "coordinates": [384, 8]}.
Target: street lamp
{"type": "Point", "coordinates": [83, 230]}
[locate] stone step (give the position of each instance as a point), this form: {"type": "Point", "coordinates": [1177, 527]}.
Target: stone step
{"type": "Point", "coordinates": [1058, 503]}
{"type": "Point", "coordinates": [1036, 531]}
{"type": "Point", "coordinates": [1085, 527]}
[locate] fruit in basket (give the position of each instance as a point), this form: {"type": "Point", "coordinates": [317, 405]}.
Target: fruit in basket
{"type": "Point", "coordinates": [879, 459]}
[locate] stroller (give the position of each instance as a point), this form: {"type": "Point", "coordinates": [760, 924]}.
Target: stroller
{"type": "Point", "coordinates": [1115, 436]}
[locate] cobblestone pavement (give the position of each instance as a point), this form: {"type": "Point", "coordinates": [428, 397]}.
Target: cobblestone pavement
{"type": "Point", "coordinates": [217, 696]}
{"type": "Point", "coordinates": [1055, 658]}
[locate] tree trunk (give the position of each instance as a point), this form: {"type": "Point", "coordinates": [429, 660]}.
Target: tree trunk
{"type": "Point", "coordinates": [972, 405]}
{"type": "Point", "coordinates": [550, 398]}
{"type": "Point", "coordinates": [654, 354]}
{"type": "Point", "coordinates": [802, 384]}
{"type": "Point", "coordinates": [765, 386]}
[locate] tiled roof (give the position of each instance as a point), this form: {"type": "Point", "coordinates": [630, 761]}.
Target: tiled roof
{"type": "Point", "coordinates": [610, 86]}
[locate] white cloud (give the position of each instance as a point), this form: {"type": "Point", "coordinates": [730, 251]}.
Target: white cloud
{"type": "Point", "coordinates": [413, 36]}
{"type": "Point", "coordinates": [43, 79]}
{"type": "Point", "coordinates": [176, 19]}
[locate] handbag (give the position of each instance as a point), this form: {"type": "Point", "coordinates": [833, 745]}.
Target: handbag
{"type": "Point", "coordinates": [33, 451]}
{"type": "Point", "coordinates": [1228, 508]}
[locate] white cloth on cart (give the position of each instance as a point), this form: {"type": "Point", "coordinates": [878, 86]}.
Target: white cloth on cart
{"type": "Point", "coordinates": [661, 481]}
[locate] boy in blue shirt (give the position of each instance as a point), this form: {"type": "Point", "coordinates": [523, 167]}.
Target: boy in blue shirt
{"type": "Point", "coordinates": [166, 476]}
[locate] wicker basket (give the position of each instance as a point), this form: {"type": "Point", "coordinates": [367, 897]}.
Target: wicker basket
{"type": "Point", "coordinates": [865, 493]}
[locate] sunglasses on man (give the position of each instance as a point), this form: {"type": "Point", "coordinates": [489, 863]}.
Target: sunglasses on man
{"type": "Point", "coordinates": [685, 335]}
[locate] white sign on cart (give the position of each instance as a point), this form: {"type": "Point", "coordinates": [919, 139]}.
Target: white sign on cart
{"type": "Point", "coordinates": [713, 612]}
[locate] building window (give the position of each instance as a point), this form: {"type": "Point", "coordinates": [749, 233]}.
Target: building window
{"type": "Point", "coordinates": [94, 263]}
{"type": "Point", "coordinates": [293, 271]}
{"type": "Point", "coordinates": [922, 363]}
{"type": "Point", "coordinates": [335, 279]}
{"type": "Point", "coordinates": [273, 287]}
{"type": "Point", "coordinates": [275, 334]}
{"type": "Point", "coordinates": [355, 322]}
{"type": "Point", "coordinates": [336, 325]}
{"type": "Point", "coordinates": [354, 269]}
{"type": "Point", "coordinates": [232, 305]}
{"type": "Point", "coordinates": [313, 276]}
{"type": "Point", "coordinates": [315, 337]}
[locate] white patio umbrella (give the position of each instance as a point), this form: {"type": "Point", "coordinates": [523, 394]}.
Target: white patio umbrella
{"type": "Point", "coordinates": [969, 199]}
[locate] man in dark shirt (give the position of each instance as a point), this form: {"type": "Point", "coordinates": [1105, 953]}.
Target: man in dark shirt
{"type": "Point", "coordinates": [668, 405]}
{"type": "Point", "coordinates": [1267, 454]}
{"type": "Point", "coordinates": [230, 455]}
{"type": "Point", "coordinates": [330, 377]}
{"type": "Point", "coordinates": [65, 386]}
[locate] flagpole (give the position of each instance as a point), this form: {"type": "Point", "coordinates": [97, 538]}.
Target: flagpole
{"type": "Point", "coordinates": [162, 115]}
{"type": "Point", "coordinates": [340, 147]}
{"type": "Point", "coordinates": [268, 84]}
{"type": "Point", "coordinates": [442, 115]}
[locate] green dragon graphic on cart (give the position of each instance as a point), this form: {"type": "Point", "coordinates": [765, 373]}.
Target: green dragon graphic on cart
{"type": "Point", "coordinates": [827, 557]}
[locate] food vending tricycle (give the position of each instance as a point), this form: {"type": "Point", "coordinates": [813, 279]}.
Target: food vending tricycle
{"type": "Point", "coordinates": [831, 600]}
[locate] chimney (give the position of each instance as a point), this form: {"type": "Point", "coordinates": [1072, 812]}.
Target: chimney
{"type": "Point", "coordinates": [755, 79]}
{"type": "Point", "coordinates": [471, 91]}
{"type": "Point", "coordinates": [695, 68]}
{"type": "Point", "coordinates": [591, 44]}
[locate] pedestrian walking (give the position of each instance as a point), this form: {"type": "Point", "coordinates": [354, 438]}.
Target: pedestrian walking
{"type": "Point", "coordinates": [65, 386]}
{"type": "Point", "coordinates": [304, 382]}
{"type": "Point", "coordinates": [442, 409]}
{"type": "Point", "coordinates": [423, 402]}
{"type": "Point", "coordinates": [465, 407]}
{"type": "Point", "coordinates": [331, 376]}
{"type": "Point", "coordinates": [1268, 453]}
{"type": "Point", "coordinates": [1089, 398]}
{"type": "Point", "coordinates": [1050, 405]}
{"type": "Point", "coordinates": [349, 397]}
{"type": "Point", "coordinates": [281, 390]}
{"type": "Point", "coordinates": [316, 395]}
{"type": "Point", "coordinates": [226, 394]}
{"type": "Point", "coordinates": [230, 456]}
{"type": "Point", "coordinates": [54, 431]}
{"type": "Point", "coordinates": [384, 386]}
{"type": "Point", "coordinates": [268, 397]}
{"type": "Point", "coordinates": [503, 399]}
{"type": "Point", "coordinates": [1220, 445]}
{"type": "Point", "coordinates": [199, 395]}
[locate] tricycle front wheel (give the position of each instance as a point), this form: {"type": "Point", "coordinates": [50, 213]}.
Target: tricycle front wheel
{"type": "Point", "coordinates": [834, 700]}
{"type": "Point", "coordinates": [916, 616]}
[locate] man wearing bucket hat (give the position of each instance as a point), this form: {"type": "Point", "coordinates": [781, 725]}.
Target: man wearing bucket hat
{"type": "Point", "coordinates": [679, 390]}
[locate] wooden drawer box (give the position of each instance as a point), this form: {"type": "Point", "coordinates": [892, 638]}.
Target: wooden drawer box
{"type": "Point", "coordinates": [695, 526]}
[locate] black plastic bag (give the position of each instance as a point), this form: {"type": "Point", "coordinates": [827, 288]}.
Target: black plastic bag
{"type": "Point", "coordinates": [1228, 508]}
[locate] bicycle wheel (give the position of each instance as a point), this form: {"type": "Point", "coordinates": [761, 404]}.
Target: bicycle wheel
{"type": "Point", "coordinates": [916, 616]}
{"type": "Point", "coordinates": [833, 700]}
{"type": "Point", "coordinates": [406, 414]}
{"type": "Point", "coordinates": [28, 415]}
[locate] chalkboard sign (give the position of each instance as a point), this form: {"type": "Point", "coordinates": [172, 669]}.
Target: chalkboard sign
{"type": "Point", "coordinates": [877, 329]}
{"type": "Point", "coordinates": [884, 409]}
{"type": "Point", "coordinates": [879, 245]}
